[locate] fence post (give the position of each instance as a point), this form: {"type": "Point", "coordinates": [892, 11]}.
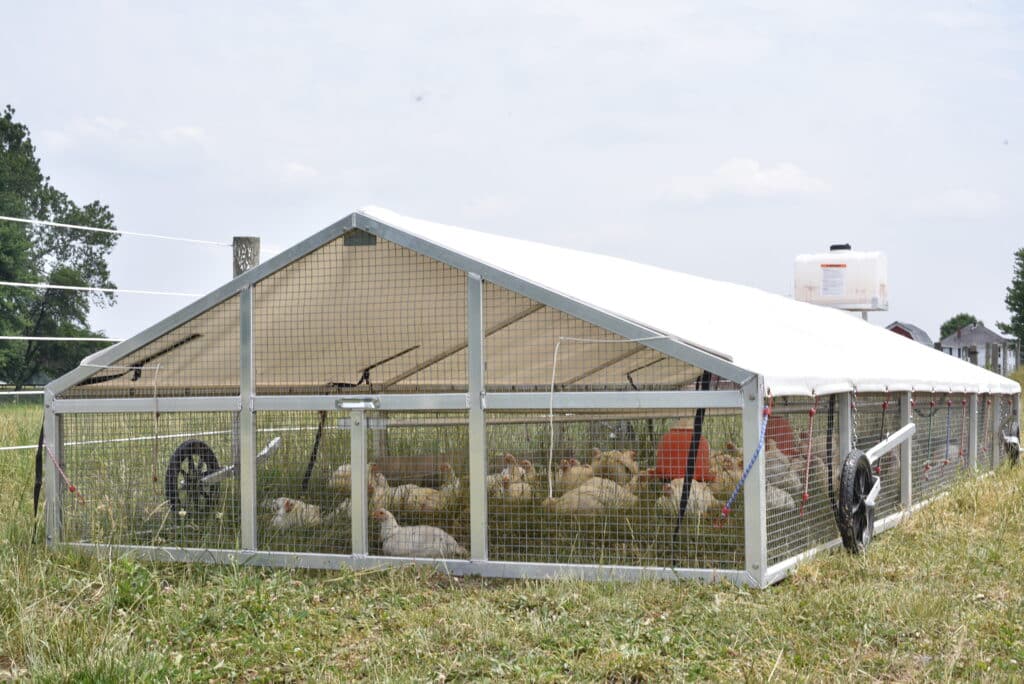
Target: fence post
{"type": "Point", "coordinates": [907, 454]}
{"type": "Point", "coordinates": [246, 425]}
{"type": "Point", "coordinates": [972, 432]}
{"type": "Point", "coordinates": [245, 254]}
{"type": "Point", "coordinates": [755, 517]}
{"type": "Point", "coordinates": [477, 419]}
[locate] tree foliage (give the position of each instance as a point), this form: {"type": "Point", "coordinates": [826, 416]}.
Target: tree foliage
{"type": "Point", "coordinates": [35, 253]}
{"type": "Point", "coordinates": [1015, 299]}
{"type": "Point", "coordinates": [956, 323]}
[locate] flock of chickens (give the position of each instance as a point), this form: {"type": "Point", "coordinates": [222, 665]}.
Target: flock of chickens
{"type": "Point", "coordinates": [612, 480]}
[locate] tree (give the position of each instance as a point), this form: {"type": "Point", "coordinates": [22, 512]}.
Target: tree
{"type": "Point", "coordinates": [55, 256]}
{"type": "Point", "coordinates": [1015, 300]}
{"type": "Point", "coordinates": [956, 323]}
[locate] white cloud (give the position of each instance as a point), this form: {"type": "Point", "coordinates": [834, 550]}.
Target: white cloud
{"type": "Point", "coordinates": [296, 172]}
{"type": "Point", "coordinates": [742, 177]}
{"type": "Point", "coordinates": [83, 130]}
{"type": "Point", "coordinates": [960, 203]}
{"type": "Point", "coordinates": [182, 134]}
{"type": "Point", "coordinates": [959, 18]}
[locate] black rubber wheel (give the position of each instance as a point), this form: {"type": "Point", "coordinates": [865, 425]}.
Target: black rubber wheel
{"type": "Point", "coordinates": [856, 519]}
{"type": "Point", "coordinates": [183, 484]}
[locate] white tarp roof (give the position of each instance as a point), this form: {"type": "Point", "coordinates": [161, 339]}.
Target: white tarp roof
{"type": "Point", "coordinates": [798, 348]}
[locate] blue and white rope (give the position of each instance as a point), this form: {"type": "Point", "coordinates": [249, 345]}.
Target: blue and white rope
{"type": "Point", "coordinates": [750, 465]}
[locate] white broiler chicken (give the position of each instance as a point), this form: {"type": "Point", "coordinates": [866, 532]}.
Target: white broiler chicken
{"type": "Point", "coordinates": [618, 466]}
{"type": "Point", "coordinates": [291, 513]}
{"type": "Point", "coordinates": [513, 470]}
{"type": "Point", "coordinates": [341, 479]}
{"type": "Point", "coordinates": [700, 502]}
{"type": "Point", "coordinates": [418, 541]}
{"type": "Point", "coordinates": [595, 494]}
{"type": "Point", "coordinates": [530, 472]}
{"type": "Point", "coordinates": [778, 500]}
{"type": "Point", "coordinates": [780, 471]}
{"type": "Point", "coordinates": [571, 474]}
{"type": "Point", "coordinates": [451, 487]}
{"type": "Point", "coordinates": [408, 497]}
{"type": "Point", "coordinates": [515, 490]}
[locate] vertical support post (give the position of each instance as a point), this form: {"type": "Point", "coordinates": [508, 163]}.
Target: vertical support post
{"type": "Point", "coordinates": [844, 407]}
{"type": "Point", "coordinates": [997, 437]}
{"type": "Point", "coordinates": [906, 455]}
{"type": "Point", "coordinates": [477, 424]}
{"type": "Point", "coordinates": [246, 424]}
{"type": "Point", "coordinates": [972, 432]}
{"type": "Point", "coordinates": [54, 490]}
{"type": "Point", "coordinates": [245, 254]}
{"type": "Point", "coordinates": [755, 515]}
{"type": "Point", "coordinates": [360, 545]}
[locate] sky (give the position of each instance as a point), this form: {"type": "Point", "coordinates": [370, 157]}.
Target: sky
{"type": "Point", "coordinates": [717, 138]}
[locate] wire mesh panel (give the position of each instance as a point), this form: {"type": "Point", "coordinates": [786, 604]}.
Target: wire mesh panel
{"type": "Point", "coordinates": [303, 481]}
{"type": "Point", "coordinates": [361, 314]}
{"type": "Point", "coordinates": [143, 479]}
{"type": "Point", "coordinates": [984, 428]}
{"type": "Point", "coordinates": [198, 358]}
{"type": "Point", "coordinates": [876, 416]}
{"type": "Point", "coordinates": [418, 499]}
{"type": "Point", "coordinates": [604, 488]}
{"type": "Point", "coordinates": [1008, 421]}
{"type": "Point", "coordinates": [802, 464]}
{"type": "Point", "coordinates": [940, 443]}
{"type": "Point", "coordinates": [529, 345]}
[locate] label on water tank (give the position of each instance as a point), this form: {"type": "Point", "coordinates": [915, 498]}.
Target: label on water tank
{"type": "Point", "coordinates": [833, 280]}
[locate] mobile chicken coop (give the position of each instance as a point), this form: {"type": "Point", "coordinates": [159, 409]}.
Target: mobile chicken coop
{"type": "Point", "coordinates": [392, 391]}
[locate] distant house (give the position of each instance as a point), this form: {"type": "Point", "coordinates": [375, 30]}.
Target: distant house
{"type": "Point", "coordinates": [983, 347]}
{"type": "Point", "coordinates": [911, 331]}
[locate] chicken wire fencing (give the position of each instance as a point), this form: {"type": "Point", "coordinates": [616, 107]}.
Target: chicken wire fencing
{"type": "Point", "coordinates": [139, 479]}
{"type": "Point", "coordinates": [605, 488]}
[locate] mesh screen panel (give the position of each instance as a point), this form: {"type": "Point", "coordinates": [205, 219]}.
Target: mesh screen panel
{"type": "Point", "coordinates": [199, 358]}
{"type": "Point", "coordinates": [940, 443]}
{"type": "Point", "coordinates": [361, 317]}
{"type": "Point", "coordinates": [135, 486]}
{"type": "Point", "coordinates": [420, 476]}
{"type": "Point", "coordinates": [797, 461]}
{"type": "Point", "coordinates": [301, 489]}
{"type": "Point", "coordinates": [877, 416]}
{"type": "Point", "coordinates": [608, 507]}
{"type": "Point", "coordinates": [521, 343]}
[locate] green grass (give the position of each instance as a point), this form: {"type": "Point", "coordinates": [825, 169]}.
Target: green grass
{"type": "Point", "coordinates": [938, 598]}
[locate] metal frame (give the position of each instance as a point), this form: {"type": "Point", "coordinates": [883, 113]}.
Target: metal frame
{"type": "Point", "coordinates": [477, 420]}
{"type": "Point", "coordinates": [972, 432]}
{"type": "Point", "coordinates": [755, 514]}
{"type": "Point", "coordinates": [906, 456]}
{"type": "Point", "coordinates": [53, 441]}
{"type": "Point", "coordinates": [358, 502]}
{"type": "Point", "coordinates": [482, 568]}
{"type": "Point", "coordinates": [246, 425]}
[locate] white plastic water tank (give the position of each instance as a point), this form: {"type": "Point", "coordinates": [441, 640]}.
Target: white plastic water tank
{"type": "Point", "coordinates": [843, 278]}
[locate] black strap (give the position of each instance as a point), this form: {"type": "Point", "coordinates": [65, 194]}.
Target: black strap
{"type": "Point", "coordinates": [39, 475]}
{"type": "Point", "coordinates": [691, 457]}
{"type": "Point", "coordinates": [316, 450]}
{"type": "Point", "coordinates": [38, 484]}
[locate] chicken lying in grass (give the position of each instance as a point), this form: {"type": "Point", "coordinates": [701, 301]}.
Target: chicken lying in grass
{"type": "Point", "coordinates": [727, 468]}
{"type": "Point", "coordinates": [341, 479]}
{"type": "Point", "coordinates": [513, 470]}
{"type": "Point", "coordinates": [514, 490]}
{"type": "Point", "coordinates": [571, 474]}
{"type": "Point", "coordinates": [291, 513]}
{"type": "Point", "coordinates": [618, 466]}
{"type": "Point", "coordinates": [781, 471]}
{"type": "Point", "coordinates": [594, 495]}
{"type": "Point", "coordinates": [410, 497]}
{"type": "Point", "coordinates": [700, 502]}
{"type": "Point", "coordinates": [418, 541]}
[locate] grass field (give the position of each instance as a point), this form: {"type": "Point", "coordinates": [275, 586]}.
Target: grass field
{"type": "Point", "coordinates": [938, 598]}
